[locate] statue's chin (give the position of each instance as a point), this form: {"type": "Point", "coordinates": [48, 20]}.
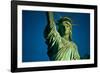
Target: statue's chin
{"type": "Point", "coordinates": [66, 32]}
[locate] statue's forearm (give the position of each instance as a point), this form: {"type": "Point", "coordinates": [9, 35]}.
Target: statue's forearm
{"type": "Point", "coordinates": [51, 19]}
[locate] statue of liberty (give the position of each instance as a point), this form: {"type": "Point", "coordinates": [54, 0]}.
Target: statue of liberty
{"type": "Point", "coordinates": [59, 39]}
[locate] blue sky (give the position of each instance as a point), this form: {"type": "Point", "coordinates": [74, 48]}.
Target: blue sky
{"type": "Point", "coordinates": [34, 47]}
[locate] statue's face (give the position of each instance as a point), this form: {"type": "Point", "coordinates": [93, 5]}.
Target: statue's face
{"type": "Point", "coordinates": [67, 27]}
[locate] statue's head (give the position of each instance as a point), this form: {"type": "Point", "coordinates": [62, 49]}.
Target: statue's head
{"type": "Point", "coordinates": [65, 27]}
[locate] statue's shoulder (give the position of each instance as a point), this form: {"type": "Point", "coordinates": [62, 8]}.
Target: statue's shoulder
{"type": "Point", "coordinates": [73, 44]}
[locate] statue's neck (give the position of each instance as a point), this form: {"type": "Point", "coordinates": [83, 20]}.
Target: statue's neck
{"type": "Point", "coordinates": [66, 37]}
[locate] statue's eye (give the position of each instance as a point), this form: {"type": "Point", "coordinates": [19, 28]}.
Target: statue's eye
{"type": "Point", "coordinates": [67, 26]}
{"type": "Point", "coordinates": [66, 22]}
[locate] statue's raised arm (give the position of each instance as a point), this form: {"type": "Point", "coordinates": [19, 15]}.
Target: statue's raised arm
{"type": "Point", "coordinates": [51, 20]}
{"type": "Point", "coordinates": [52, 36]}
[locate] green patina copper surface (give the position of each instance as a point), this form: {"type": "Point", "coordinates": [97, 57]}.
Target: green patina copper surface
{"type": "Point", "coordinates": [59, 41]}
